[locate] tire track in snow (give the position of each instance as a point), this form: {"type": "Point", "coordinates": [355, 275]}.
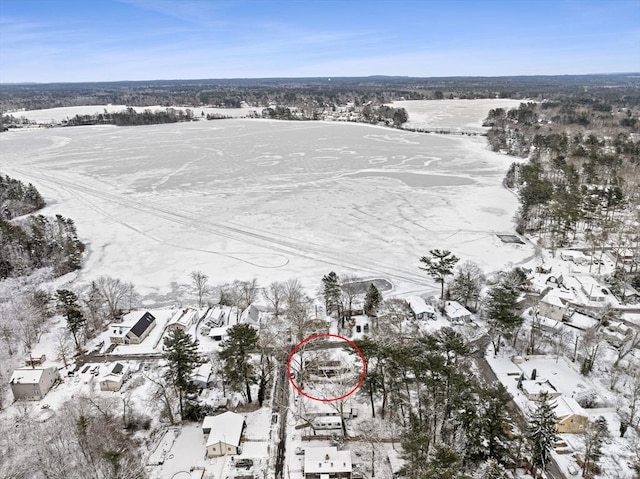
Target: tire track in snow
{"type": "Point", "coordinates": [279, 244]}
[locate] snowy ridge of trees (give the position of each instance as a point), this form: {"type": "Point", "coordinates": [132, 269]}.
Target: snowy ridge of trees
{"type": "Point", "coordinates": [17, 199]}
{"type": "Point", "coordinates": [34, 242]}
{"type": "Point", "coordinates": [37, 242]}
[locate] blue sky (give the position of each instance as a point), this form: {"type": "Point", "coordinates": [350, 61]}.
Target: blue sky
{"type": "Point", "coordinates": [108, 40]}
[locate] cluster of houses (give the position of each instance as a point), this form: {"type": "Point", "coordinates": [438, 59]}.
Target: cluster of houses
{"type": "Point", "coordinates": [571, 417]}
{"type": "Point", "coordinates": [452, 310]}
{"type": "Point", "coordinates": [223, 436]}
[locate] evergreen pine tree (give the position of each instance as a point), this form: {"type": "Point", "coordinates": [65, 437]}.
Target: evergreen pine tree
{"type": "Point", "coordinates": [372, 300]}
{"type": "Point", "coordinates": [238, 370]}
{"type": "Point", "coordinates": [331, 291]}
{"type": "Point", "coordinates": [439, 265]}
{"type": "Point", "coordinates": [541, 432]}
{"type": "Point", "coordinates": [68, 306]}
{"type": "Point", "coordinates": [594, 435]}
{"type": "Point", "coordinates": [181, 354]}
{"type": "Point", "coordinates": [501, 312]}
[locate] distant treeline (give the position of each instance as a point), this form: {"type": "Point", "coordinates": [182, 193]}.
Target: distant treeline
{"type": "Point", "coordinates": [17, 199]}
{"type": "Point", "coordinates": [366, 114]}
{"type": "Point", "coordinates": [316, 92]}
{"type": "Point", "coordinates": [37, 241]}
{"type": "Point", "coordinates": [130, 117]}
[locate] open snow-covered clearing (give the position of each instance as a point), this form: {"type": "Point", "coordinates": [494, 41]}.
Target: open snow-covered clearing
{"type": "Point", "coordinates": [269, 199]}
{"type": "Point", "coordinates": [466, 115]}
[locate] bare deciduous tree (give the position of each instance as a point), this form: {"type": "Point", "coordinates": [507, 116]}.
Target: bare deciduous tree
{"type": "Point", "coordinates": [114, 292]}
{"type": "Point", "coordinates": [274, 293]}
{"type": "Point", "coordinates": [64, 348]}
{"type": "Point", "coordinates": [200, 283]}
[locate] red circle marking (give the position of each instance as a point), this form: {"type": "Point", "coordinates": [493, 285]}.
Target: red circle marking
{"type": "Point", "coordinates": [326, 335]}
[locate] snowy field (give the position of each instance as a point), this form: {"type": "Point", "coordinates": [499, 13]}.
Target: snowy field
{"type": "Point", "coordinates": [247, 198]}
{"type": "Point", "coordinates": [466, 115]}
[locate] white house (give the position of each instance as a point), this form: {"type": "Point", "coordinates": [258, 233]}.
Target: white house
{"type": "Point", "coordinates": [327, 423]}
{"type": "Point", "coordinates": [455, 312]}
{"type": "Point", "coordinates": [420, 309]}
{"type": "Point", "coordinates": [183, 319]}
{"type": "Point", "coordinates": [115, 378]}
{"type": "Point", "coordinates": [251, 316]}
{"type": "Point", "coordinates": [216, 317]}
{"type": "Point", "coordinates": [551, 306]}
{"type": "Point", "coordinates": [132, 334]}
{"type": "Point", "coordinates": [32, 383]}
{"type": "Point", "coordinates": [224, 433]}
{"type": "Point", "coordinates": [327, 463]}
{"type": "Point", "coordinates": [577, 257]}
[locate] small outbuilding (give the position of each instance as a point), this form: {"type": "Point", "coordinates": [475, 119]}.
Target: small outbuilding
{"type": "Point", "coordinates": [32, 383]}
{"type": "Point", "coordinates": [534, 389]}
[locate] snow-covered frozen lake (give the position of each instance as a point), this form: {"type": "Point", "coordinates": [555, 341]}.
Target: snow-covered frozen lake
{"type": "Point", "coordinates": [272, 199]}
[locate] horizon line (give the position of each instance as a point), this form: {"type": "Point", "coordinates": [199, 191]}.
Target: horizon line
{"type": "Point", "coordinates": [328, 78]}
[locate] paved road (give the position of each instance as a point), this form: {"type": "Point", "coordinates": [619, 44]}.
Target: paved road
{"type": "Point", "coordinates": [281, 402]}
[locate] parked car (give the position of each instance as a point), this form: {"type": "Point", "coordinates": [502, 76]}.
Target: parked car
{"type": "Point", "coordinates": [299, 451]}
{"type": "Point", "coordinates": [246, 463]}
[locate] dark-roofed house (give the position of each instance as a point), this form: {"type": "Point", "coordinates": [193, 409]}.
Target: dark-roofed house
{"type": "Point", "coordinates": [142, 328]}
{"type": "Point", "coordinates": [114, 379]}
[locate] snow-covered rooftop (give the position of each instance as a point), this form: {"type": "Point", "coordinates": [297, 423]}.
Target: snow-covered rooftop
{"type": "Point", "coordinates": [226, 428]}
{"type": "Point", "coordinates": [453, 309]}
{"type": "Point", "coordinates": [418, 305]}
{"type": "Point", "coordinates": [553, 297]}
{"type": "Point", "coordinates": [26, 376]}
{"type": "Point", "coordinates": [566, 406]}
{"type": "Point", "coordinates": [184, 317]}
{"type": "Point", "coordinates": [326, 460]}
